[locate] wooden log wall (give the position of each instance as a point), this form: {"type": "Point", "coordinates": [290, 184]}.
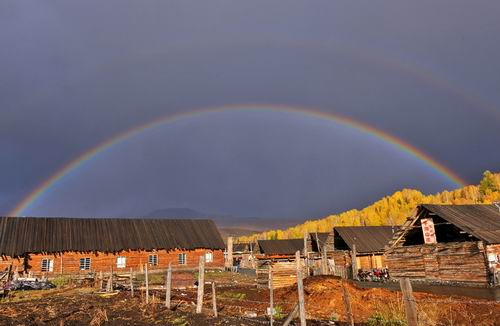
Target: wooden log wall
{"type": "Point", "coordinates": [457, 261]}
{"type": "Point", "coordinates": [69, 262]}
{"type": "Point", "coordinates": [284, 273]}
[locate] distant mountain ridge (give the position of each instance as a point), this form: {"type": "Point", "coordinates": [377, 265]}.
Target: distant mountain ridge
{"type": "Point", "coordinates": [229, 225]}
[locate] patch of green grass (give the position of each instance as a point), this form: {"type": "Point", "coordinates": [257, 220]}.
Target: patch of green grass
{"type": "Point", "coordinates": [180, 321]}
{"type": "Point", "coordinates": [61, 281]}
{"type": "Point", "coordinates": [233, 295]}
{"type": "Point", "coordinates": [278, 312]}
{"type": "Point", "coordinates": [379, 319]}
{"type": "Point", "coordinates": [157, 278]}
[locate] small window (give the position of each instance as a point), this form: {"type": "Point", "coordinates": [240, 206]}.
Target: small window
{"type": "Point", "coordinates": [121, 262]}
{"type": "Point", "coordinates": [153, 260]}
{"type": "Point", "coordinates": [182, 259]}
{"type": "Point", "coordinates": [85, 264]}
{"type": "Point", "coordinates": [47, 265]}
{"type": "Point", "coordinates": [209, 257]}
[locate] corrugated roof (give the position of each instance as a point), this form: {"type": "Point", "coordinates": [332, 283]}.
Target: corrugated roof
{"type": "Point", "coordinates": [482, 221]}
{"type": "Point", "coordinates": [281, 247]}
{"type": "Point", "coordinates": [367, 238]}
{"type": "Point", "coordinates": [19, 235]}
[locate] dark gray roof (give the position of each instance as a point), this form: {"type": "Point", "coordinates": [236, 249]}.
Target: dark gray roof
{"type": "Point", "coordinates": [241, 247]}
{"type": "Point", "coordinates": [281, 247]}
{"type": "Point", "coordinates": [19, 235]}
{"type": "Point", "coordinates": [367, 238]}
{"type": "Point", "coordinates": [482, 221]}
{"type": "Point", "coordinates": [322, 238]}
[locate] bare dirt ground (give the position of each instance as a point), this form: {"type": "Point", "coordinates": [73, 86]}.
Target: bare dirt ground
{"type": "Point", "coordinates": [240, 303]}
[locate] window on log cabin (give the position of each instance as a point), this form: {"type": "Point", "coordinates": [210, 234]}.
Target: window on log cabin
{"type": "Point", "coordinates": [85, 264]}
{"type": "Point", "coordinates": [47, 265]}
{"type": "Point", "coordinates": [121, 261]}
{"type": "Point", "coordinates": [209, 257]}
{"type": "Point", "coordinates": [182, 259]}
{"type": "Point", "coordinates": [153, 260]}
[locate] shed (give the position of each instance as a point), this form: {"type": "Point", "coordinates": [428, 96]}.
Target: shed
{"type": "Point", "coordinates": [278, 256]}
{"type": "Point", "coordinates": [369, 242]}
{"type": "Point", "coordinates": [448, 243]}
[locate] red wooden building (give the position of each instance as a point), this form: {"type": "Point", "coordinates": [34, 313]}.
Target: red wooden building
{"type": "Point", "coordinates": [74, 245]}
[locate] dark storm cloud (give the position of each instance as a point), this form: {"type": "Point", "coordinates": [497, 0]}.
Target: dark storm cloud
{"type": "Point", "coordinates": [74, 74]}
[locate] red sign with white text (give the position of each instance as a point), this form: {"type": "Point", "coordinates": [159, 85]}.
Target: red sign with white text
{"type": "Point", "coordinates": [428, 230]}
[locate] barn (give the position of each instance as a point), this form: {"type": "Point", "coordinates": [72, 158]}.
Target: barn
{"type": "Point", "coordinates": [73, 245]}
{"type": "Point", "coordinates": [448, 243]}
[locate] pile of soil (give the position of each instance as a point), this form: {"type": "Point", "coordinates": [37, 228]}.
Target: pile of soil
{"type": "Point", "coordinates": [324, 300]}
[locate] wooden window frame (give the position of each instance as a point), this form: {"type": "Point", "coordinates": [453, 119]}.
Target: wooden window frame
{"type": "Point", "coordinates": [119, 264]}
{"type": "Point", "coordinates": [182, 258]}
{"type": "Point", "coordinates": [211, 255]}
{"type": "Point", "coordinates": [153, 260]}
{"type": "Point", "coordinates": [86, 263]}
{"type": "Point", "coordinates": [48, 266]}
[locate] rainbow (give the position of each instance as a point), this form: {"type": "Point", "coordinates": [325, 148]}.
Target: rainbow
{"type": "Point", "coordinates": [418, 154]}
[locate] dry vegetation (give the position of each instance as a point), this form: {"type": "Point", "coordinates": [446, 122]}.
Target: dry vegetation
{"type": "Point", "coordinates": [237, 300]}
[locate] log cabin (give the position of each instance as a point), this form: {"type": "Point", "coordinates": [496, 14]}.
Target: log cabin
{"type": "Point", "coordinates": [368, 241]}
{"type": "Point", "coordinates": [278, 256]}
{"type": "Point", "coordinates": [448, 243]}
{"type": "Point", "coordinates": [48, 245]}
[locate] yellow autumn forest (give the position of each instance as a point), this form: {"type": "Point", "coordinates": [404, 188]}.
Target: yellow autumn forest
{"type": "Point", "coordinates": [393, 209]}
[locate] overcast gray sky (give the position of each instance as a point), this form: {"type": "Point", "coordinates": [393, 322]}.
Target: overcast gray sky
{"type": "Point", "coordinates": [75, 73]}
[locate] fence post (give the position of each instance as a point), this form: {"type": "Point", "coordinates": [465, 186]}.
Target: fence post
{"type": "Point", "coordinates": [131, 283]}
{"type": "Point", "coordinates": [300, 289]}
{"type": "Point", "coordinates": [306, 253]}
{"type": "Point", "coordinates": [101, 281]}
{"type": "Point", "coordinates": [347, 305]}
{"type": "Point", "coordinates": [146, 276]}
{"type": "Point", "coordinates": [409, 301]}
{"type": "Point", "coordinates": [271, 295]}
{"type": "Point", "coordinates": [201, 285]}
{"type": "Point", "coordinates": [354, 263]}
{"type": "Point", "coordinates": [168, 286]}
{"type": "Point", "coordinates": [324, 262]}
{"type": "Point", "coordinates": [111, 280]}
{"type": "Point", "coordinates": [214, 300]}
{"type": "Point", "coordinates": [229, 258]}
